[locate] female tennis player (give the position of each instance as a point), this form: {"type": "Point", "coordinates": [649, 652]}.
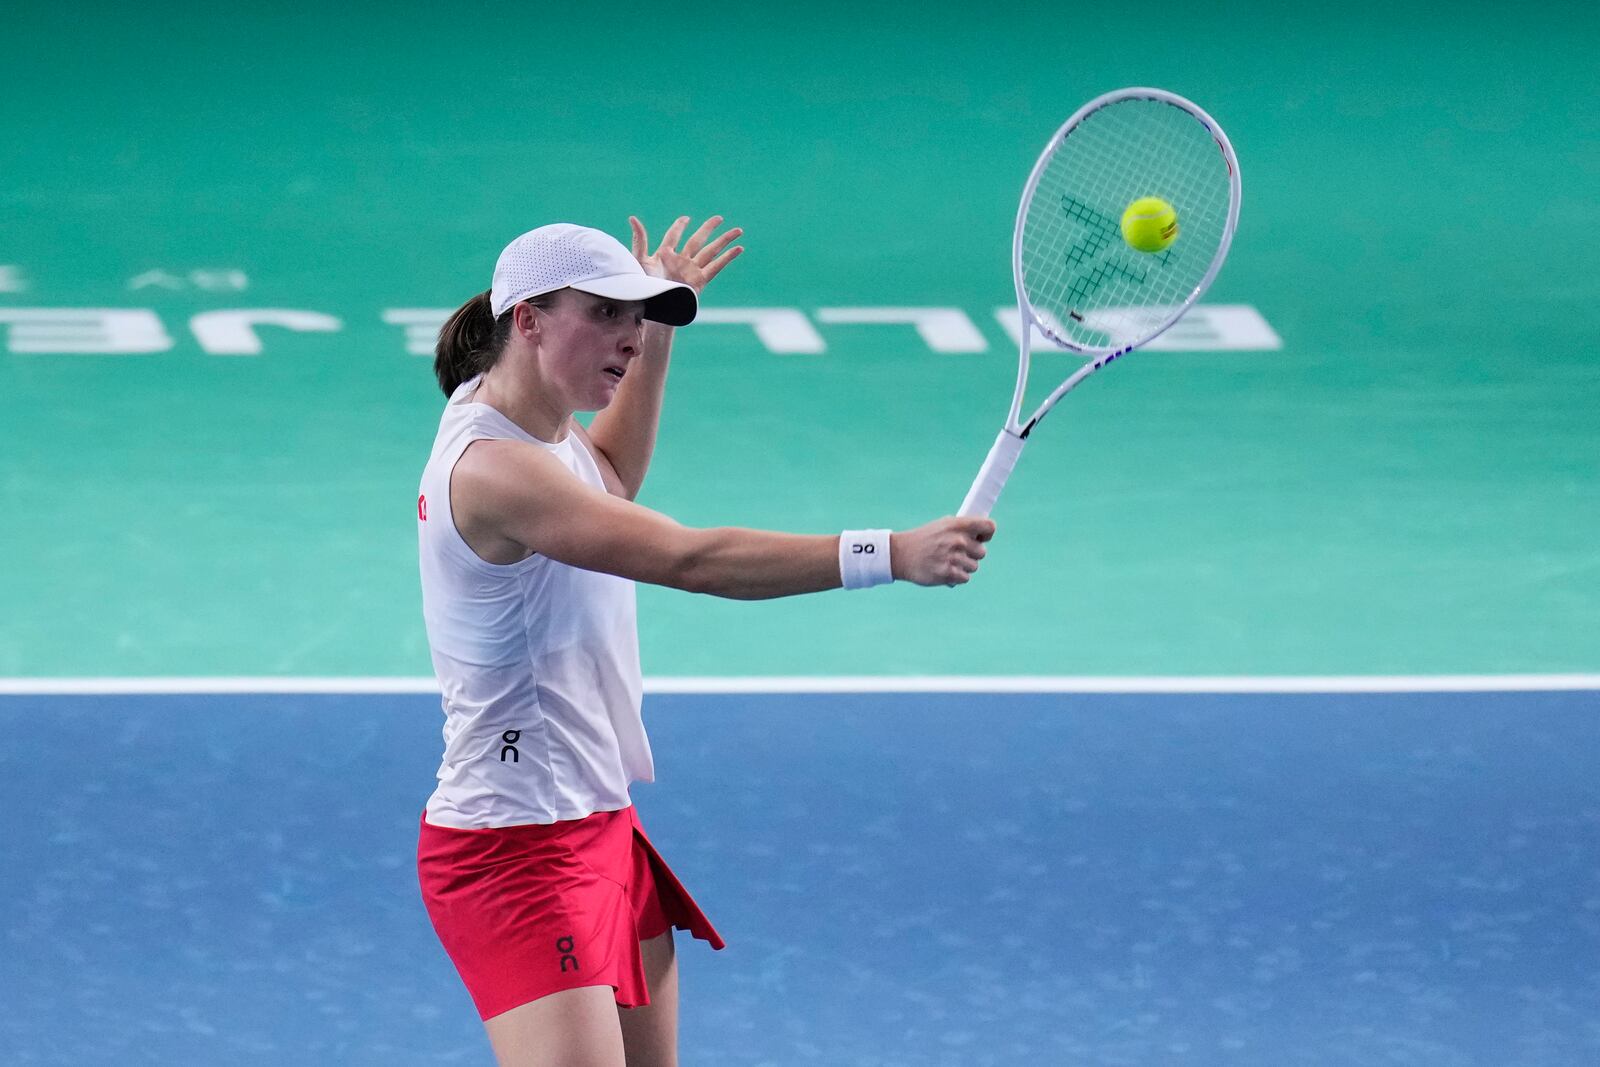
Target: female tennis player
{"type": "Point", "coordinates": [544, 890]}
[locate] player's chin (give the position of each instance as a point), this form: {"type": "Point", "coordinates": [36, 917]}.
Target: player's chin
{"type": "Point", "coordinates": [605, 392]}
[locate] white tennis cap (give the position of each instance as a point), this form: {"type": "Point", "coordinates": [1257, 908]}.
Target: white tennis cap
{"type": "Point", "coordinates": [562, 255]}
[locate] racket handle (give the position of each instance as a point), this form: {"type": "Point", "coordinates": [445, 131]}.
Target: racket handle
{"type": "Point", "coordinates": [992, 476]}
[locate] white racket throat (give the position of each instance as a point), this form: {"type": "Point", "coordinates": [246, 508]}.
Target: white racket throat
{"type": "Point", "coordinates": [1078, 282]}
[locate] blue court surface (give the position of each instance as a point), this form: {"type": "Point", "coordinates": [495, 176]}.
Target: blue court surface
{"type": "Point", "coordinates": [902, 879]}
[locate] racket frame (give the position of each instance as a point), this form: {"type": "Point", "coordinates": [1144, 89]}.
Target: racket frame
{"type": "Point", "coordinates": [1008, 445]}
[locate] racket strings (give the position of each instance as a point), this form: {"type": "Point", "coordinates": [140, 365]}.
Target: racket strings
{"type": "Point", "coordinates": [1101, 272]}
{"type": "Point", "coordinates": [1086, 285]}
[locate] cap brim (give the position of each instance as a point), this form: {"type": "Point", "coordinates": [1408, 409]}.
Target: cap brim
{"type": "Point", "coordinates": [669, 302]}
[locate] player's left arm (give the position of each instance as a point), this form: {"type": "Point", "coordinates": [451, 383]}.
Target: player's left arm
{"type": "Point", "coordinates": [625, 432]}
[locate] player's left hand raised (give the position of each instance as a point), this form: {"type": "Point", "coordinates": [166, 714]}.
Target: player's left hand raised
{"type": "Point", "coordinates": [697, 263]}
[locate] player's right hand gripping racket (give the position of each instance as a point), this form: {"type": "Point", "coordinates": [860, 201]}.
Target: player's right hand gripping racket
{"type": "Point", "coordinates": [1078, 280]}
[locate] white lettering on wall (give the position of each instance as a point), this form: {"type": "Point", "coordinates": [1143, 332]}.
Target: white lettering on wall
{"type": "Point", "coordinates": [158, 278]}
{"type": "Point", "coordinates": [1219, 328]}
{"type": "Point", "coordinates": [232, 333]}
{"type": "Point", "coordinates": [785, 331]}
{"type": "Point", "coordinates": [941, 329]}
{"type": "Point", "coordinates": [84, 331]}
{"type": "Point", "coordinates": [1205, 328]}
{"type": "Point", "coordinates": [422, 326]}
{"type": "Point", "coordinates": [780, 330]}
{"type": "Point", "coordinates": [228, 279]}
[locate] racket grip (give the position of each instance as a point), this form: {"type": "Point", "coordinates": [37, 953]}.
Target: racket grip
{"type": "Point", "coordinates": [992, 476]}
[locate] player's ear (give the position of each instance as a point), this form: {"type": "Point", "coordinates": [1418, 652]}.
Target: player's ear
{"type": "Point", "coordinates": [525, 319]}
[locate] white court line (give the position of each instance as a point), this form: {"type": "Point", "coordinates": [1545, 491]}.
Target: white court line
{"type": "Point", "coordinates": [1356, 683]}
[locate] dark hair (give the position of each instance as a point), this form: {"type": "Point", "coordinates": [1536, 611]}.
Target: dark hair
{"type": "Point", "coordinates": [472, 339]}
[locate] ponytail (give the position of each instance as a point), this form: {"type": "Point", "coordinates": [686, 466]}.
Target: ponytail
{"type": "Point", "coordinates": [472, 340]}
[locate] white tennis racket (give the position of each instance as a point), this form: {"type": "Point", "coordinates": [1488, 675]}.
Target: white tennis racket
{"type": "Point", "coordinates": [1078, 281]}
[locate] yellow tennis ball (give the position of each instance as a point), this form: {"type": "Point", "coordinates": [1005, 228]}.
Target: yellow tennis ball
{"type": "Point", "coordinates": [1149, 224]}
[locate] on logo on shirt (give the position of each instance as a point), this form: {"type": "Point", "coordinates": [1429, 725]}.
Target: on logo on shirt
{"type": "Point", "coordinates": [422, 507]}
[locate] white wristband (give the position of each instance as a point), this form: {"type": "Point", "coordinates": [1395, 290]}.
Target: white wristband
{"type": "Point", "coordinates": [864, 558]}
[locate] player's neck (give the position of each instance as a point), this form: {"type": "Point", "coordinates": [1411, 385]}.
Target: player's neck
{"type": "Point", "coordinates": [524, 403]}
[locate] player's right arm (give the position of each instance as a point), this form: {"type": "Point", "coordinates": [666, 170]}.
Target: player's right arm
{"type": "Point", "coordinates": [519, 492]}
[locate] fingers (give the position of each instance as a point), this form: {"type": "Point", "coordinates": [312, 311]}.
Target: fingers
{"type": "Point", "coordinates": [714, 268]}
{"type": "Point", "coordinates": [697, 247]}
{"type": "Point", "coordinates": [705, 257]}
{"type": "Point", "coordinates": [705, 254]}
{"type": "Point", "coordinates": [968, 549]}
{"type": "Point", "coordinates": [967, 556]}
{"type": "Point", "coordinates": [972, 531]}
{"type": "Point", "coordinates": [697, 239]}
{"type": "Point", "coordinates": [674, 234]}
{"type": "Point", "coordinates": [641, 243]}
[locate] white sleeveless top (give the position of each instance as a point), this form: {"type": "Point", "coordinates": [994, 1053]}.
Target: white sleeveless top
{"type": "Point", "coordinates": [538, 662]}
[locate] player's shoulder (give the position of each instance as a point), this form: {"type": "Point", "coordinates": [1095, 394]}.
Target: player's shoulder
{"type": "Point", "coordinates": [496, 464]}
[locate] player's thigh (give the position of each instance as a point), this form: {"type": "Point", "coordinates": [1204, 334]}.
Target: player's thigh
{"type": "Point", "coordinates": [572, 1028]}
{"type": "Point", "coordinates": [650, 1034]}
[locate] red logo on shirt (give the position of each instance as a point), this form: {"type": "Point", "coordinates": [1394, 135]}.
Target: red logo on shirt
{"type": "Point", "coordinates": [422, 507]}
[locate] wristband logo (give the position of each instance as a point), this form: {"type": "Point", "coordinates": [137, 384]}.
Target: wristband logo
{"type": "Point", "coordinates": [858, 550]}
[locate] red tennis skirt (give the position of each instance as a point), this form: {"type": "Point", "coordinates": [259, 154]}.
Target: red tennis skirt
{"type": "Point", "coordinates": [526, 911]}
